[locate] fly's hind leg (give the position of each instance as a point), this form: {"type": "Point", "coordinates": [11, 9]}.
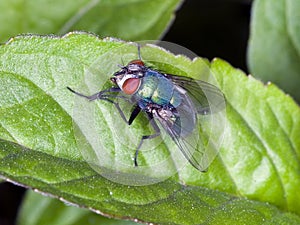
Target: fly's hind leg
{"type": "Point", "coordinates": [145, 137]}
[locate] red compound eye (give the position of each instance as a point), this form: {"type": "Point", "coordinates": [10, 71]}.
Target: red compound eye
{"type": "Point", "coordinates": [131, 85]}
{"type": "Point", "coordinates": [137, 61]}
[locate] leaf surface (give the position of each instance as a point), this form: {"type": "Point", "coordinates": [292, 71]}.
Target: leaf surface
{"type": "Point", "coordinates": [129, 20]}
{"type": "Point", "coordinates": [37, 209]}
{"type": "Point", "coordinates": [38, 147]}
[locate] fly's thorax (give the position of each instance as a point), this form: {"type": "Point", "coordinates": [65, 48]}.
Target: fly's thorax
{"type": "Point", "coordinates": [158, 89]}
{"type": "Point", "coordinates": [148, 86]}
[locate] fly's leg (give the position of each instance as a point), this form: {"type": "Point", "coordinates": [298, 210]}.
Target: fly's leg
{"type": "Point", "coordinates": [104, 95]}
{"type": "Point", "coordinates": [134, 114]}
{"type": "Point", "coordinates": [98, 95]}
{"type": "Point", "coordinates": [145, 137]}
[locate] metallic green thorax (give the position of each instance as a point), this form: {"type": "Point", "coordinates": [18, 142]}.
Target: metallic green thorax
{"type": "Point", "coordinates": [156, 88]}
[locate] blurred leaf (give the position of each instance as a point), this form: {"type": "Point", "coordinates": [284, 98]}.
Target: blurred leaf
{"type": "Point", "coordinates": [274, 46]}
{"type": "Point", "coordinates": [36, 112]}
{"type": "Point", "coordinates": [130, 20]}
{"type": "Point", "coordinates": [37, 209]}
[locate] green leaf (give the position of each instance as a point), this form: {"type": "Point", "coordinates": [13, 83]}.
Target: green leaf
{"type": "Point", "coordinates": [37, 209]}
{"type": "Point", "coordinates": [130, 20]}
{"type": "Point", "coordinates": [274, 46]}
{"type": "Point", "coordinates": [36, 112]}
{"type": "Point", "coordinates": [262, 146]}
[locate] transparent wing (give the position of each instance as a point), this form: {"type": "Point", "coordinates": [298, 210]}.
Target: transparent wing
{"type": "Point", "coordinates": [185, 134]}
{"type": "Point", "coordinates": [206, 97]}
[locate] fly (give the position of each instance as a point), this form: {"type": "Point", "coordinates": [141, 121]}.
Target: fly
{"type": "Point", "coordinates": [170, 100]}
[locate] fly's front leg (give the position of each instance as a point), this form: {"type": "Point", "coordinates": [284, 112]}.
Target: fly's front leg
{"type": "Point", "coordinates": [107, 95]}
{"type": "Point", "coordinates": [145, 137]}
{"type": "Point", "coordinates": [98, 95]}
{"type": "Point", "coordinates": [133, 115]}
{"type": "Point", "coordinates": [103, 95]}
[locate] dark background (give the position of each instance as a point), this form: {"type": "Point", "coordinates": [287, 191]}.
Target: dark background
{"type": "Point", "coordinates": [210, 28]}
{"type": "Point", "coordinates": [213, 28]}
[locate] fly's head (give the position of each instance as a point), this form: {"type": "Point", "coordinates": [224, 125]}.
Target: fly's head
{"type": "Point", "coordinates": [129, 77]}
